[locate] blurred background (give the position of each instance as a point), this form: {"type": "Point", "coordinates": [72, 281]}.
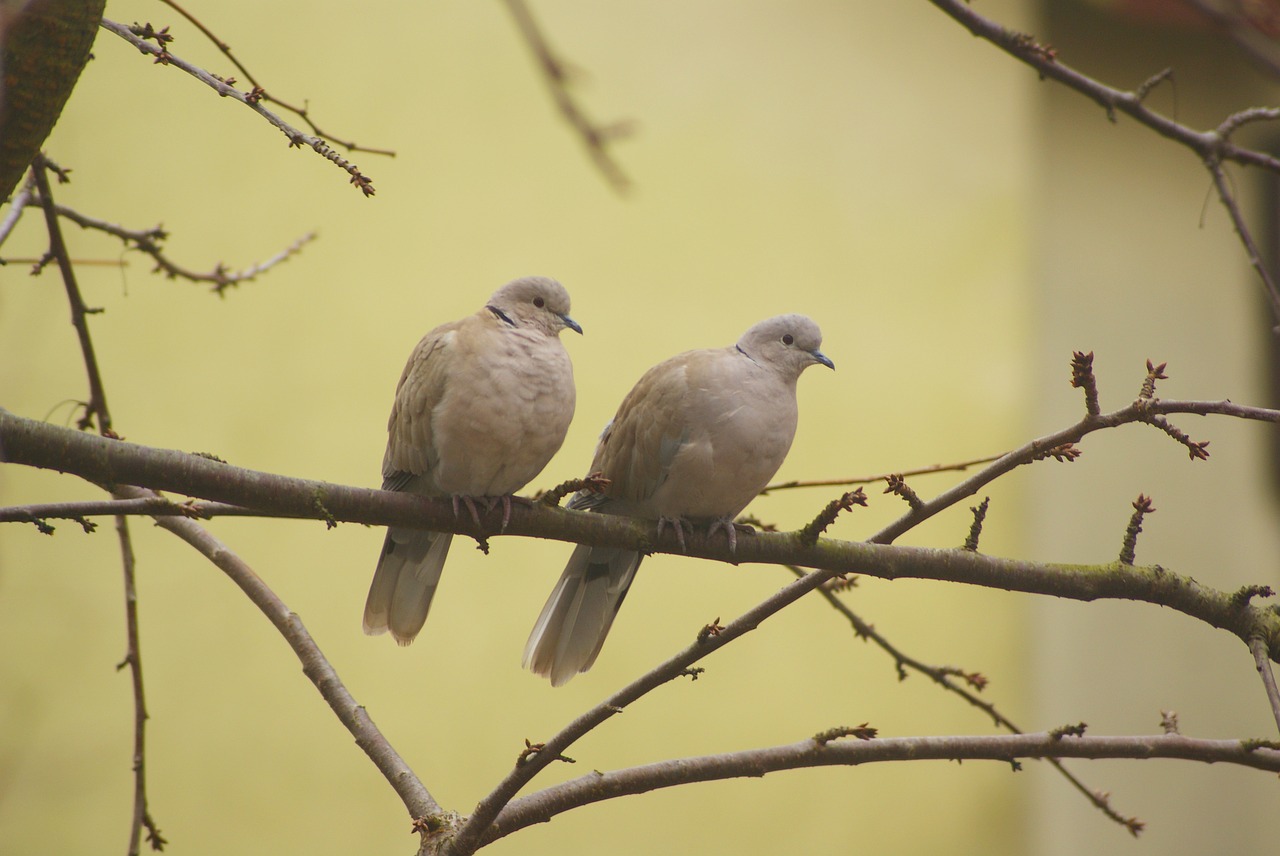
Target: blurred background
{"type": "Point", "coordinates": [956, 226]}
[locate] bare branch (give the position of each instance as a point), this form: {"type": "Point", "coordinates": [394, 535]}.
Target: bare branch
{"type": "Point", "coordinates": [595, 787]}
{"type": "Point", "coordinates": [142, 818]}
{"type": "Point", "coordinates": [19, 202]}
{"type": "Point", "coordinates": [296, 138]}
{"type": "Point", "coordinates": [1259, 648]}
{"type": "Point", "coordinates": [595, 137]}
{"type": "Point", "coordinates": [417, 799]}
{"type": "Point", "coordinates": [1214, 165]}
{"type": "Point", "coordinates": [302, 113]}
{"type": "Point", "coordinates": [861, 480]}
{"type": "Point", "coordinates": [1150, 411]}
{"type": "Point", "coordinates": [27, 441]}
{"type": "Point", "coordinates": [97, 406]}
{"type": "Point", "coordinates": [151, 506]}
{"type": "Point", "coordinates": [1212, 147]}
{"type": "Point", "coordinates": [148, 241]}
{"type": "Point", "coordinates": [944, 676]}
{"type": "Point", "coordinates": [97, 409]}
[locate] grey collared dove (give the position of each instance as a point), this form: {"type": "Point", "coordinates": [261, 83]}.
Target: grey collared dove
{"type": "Point", "coordinates": [695, 440]}
{"type": "Point", "coordinates": [482, 405]}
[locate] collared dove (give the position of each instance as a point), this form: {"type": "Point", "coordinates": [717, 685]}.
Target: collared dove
{"type": "Point", "coordinates": [481, 407]}
{"type": "Point", "coordinates": [695, 440]}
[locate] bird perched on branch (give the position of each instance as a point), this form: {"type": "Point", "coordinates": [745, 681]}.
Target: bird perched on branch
{"type": "Point", "coordinates": [694, 441]}
{"type": "Point", "coordinates": [482, 405]}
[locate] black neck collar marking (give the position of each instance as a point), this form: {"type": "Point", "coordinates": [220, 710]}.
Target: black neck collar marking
{"type": "Point", "coordinates": [498, 312]}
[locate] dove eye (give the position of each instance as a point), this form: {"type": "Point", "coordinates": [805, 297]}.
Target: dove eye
{"type": "Point", "coordinates": [539, 302]}
{"type": "Point", "coordinates": [788, 339]}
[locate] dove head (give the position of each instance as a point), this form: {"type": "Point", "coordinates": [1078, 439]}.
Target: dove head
{"type": "Point", "coordinates": [789, 343]}
{"type": "Point", "coordinates": [536, 302]}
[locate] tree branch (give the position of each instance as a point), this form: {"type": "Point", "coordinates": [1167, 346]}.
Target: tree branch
{"type": "Point", "coordinates": [148, 241]}
{"type": "Point", "coordinates": [302, 113]}
{"type": "Point", "coordinates": [594, 787]}
{"type": "Point", "coordinates": [417, 799]}
{"type": "Point", "coordinates": [97, 409]}
{"type": "Point", "coordinates": [595, 137]}
{"type": "Point", "coordinates": [16, 205]}
{"type": "Point", "coordinates": [296, 138]}
{"type": "Point", "coordinates": [1259, 649]}
{"type": "Point", "coordinates": [103, 461]}
{"type": "Point", "coordinates": [1212, 147]}
{"type": "Point", "coordinates": [97, 406]}
{"type": "Point", "coordinates": [944, 677]}
{"type": "Point", "coordinates": [858, 480]}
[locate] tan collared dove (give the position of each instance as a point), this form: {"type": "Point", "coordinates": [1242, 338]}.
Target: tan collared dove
{"type": "Point", "coordinates": [482, 405]}
{"type": "Point", "coordinates": [696, 439]}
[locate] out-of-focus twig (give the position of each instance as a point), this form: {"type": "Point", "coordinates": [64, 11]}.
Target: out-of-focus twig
{"type": "Point", "coordinates": [595, 137]}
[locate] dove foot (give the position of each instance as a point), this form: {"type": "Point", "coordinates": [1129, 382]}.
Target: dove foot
{"type": "Point", "coordinates": [679, 524]}
{"type": "Point", "coordinates": [731, 529]}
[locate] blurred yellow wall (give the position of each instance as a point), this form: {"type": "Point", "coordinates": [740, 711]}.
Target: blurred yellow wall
{"type": "Point", "coordinates": [868, 164]}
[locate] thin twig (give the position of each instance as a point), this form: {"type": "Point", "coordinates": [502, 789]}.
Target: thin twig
{"type": "Point", "coordinates": [943, 676]}
{"type": "Point", "coordinates": [1150, 411]}
{"type": "Point", "coordinates": [858, 480]}
{"type": "Point", "coordinates": [148, 507]}
{"type": "Point", "coordinates": [297, 138]}
{"type": "Point", "coordinates": [97, 409]}
{"type": "Point", "coordinates": [1214, 165]}
{"type": "Point", "coordinates": [595, 137]}
{"type": "Point", "coordinates": [142, 818]}
{"type": "Point", "coordinates": [1259, 648]}
{"type": "Point", "coordinates": [148, 241]}
{"type": "Point", "coordinates": [302, 113]}
{"type": "Point", "coordinates": [97, 406]}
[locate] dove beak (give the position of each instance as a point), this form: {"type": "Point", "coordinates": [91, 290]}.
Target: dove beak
{"type": "Point", "coordinates": [571, 324]}
{"type": "Point", "coordinates": [820, 357]}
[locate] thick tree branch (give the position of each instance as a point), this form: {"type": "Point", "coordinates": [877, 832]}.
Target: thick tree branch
{"type": "Point", "coordinates": [109, 462]}
{"type": "Point", "coordinates": [594, 787]}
